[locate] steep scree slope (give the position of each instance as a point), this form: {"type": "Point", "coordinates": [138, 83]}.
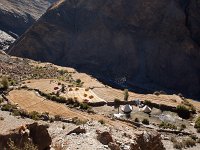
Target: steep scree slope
{"type": "Point", "coordinates": [148, 42]}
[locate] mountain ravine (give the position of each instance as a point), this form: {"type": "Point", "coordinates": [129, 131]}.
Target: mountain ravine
{"type": "Point", "coordinates": [153, 44]}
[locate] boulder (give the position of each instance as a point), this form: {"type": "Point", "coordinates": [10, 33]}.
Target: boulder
{"type": "Point", "coordinates": [105, 138]}
{"type": "Point", "coordinates": [147, 141]}
{"type": "Point", "coordinates": [77, 130]}
{"type": "Point", "coordinates": [34, 133]}
{"type": "Point", "coordinates": [113, 146]}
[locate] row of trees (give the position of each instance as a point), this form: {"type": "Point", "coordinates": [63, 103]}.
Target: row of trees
{"type": "Point", "coordinates": [117, 102]}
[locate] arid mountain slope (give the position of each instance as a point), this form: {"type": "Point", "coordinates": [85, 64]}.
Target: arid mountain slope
{"type": "Point", "coordinates": [17, 15]}
{"type": "Point", "coordinates": [145, 43]}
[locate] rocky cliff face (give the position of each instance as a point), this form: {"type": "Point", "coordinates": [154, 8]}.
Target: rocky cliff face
{"type": "Point", "coordinates": [5, 40]}
{"type": "Point", "coordinates": [17, 16]}
{"type": "Point", "coordinates": [34, 133]}
{"type": "Point", "coordinates": [150, 43]}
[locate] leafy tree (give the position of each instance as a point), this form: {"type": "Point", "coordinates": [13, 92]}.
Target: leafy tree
{"type": "Point", "coordinates": [126, 95]}
{"type": "Point", "coordinates": [117, 104]}
{"type": "Point", "coordinates": [5, 83]}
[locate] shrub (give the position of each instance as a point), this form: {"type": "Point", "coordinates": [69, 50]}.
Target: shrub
{"type": "Point", "coordinates": [62, 72]}
{"type": "Point", "coordinates": [165, 125]}
{"type": "Point", "coordinates": [78, 81]}
{"type": "Point", "coordinates": [197, 123]}
{"type": "Point", "coordinates": [101, 121]}
{"type": "Point", "coordinates": [126, 95]}
{"type": "Point", "coordinates": [183, 111]}
{"type": "Point", "coordinates": [1, 100]}
{"type": "Point", "coordinates": [87, 89]}
{"type": "Point", "coordinates": [147, 102]}
{"type": "Point", "coordinates": [8, 107]}
{"type": "Point", "coordinates": [178, 145]}
{"type": "Point", "coordinates": [16, 112]}
{"type": "Point", "coordinates": [91, 97]}
{"type": "Point", "coordinates": [57, 118]}
{"type": "Point", "coordinates": [34, 115]}
{"type": "Point", "coordinates": [5, 83]}
{"type": "Point", "coordinates": [137, 120]}
{"type": "Point", "coordinates": [78, 121]}
{"type": "Point", "coordinates": [27, 146]}
{"type": "Point", "coordinates": [145, 121]}
{"type": "Point", "coordinates": [63, 127]}
{"type": "Point", "coordinates": [157, 93]}
{"type": "Point", "coordinates": [183, 126]}
{"type": "Point", "coordinates": [84, 106]}
{"type": "Point", "coordinates": [194, 137]}
{"type": "Point", "coordinates": [117, 103]}
{"type": "Point", "coordinates": [189, 142]}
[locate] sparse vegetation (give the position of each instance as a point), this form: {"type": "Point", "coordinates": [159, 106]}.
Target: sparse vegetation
{"type": "Point", "coordinates": [102, 121]}
{"type": "Point", "coordinates": [145, 121]}
{"type": "Point", "coordinates": [84, 106]}
{"type": "Point", "coordinates": [34, 115]}
{"type": "Point", "coordinates": [185, 143]}
{"type": "Point", "coordinates": [27, 146]}
{"type": "Point", "coordinates": [91, 97]}
{"type": "Point", "coordinates": [166, 125]}
{"type": "Point", "coordinates": [5, 83]}
{"type": "Point", "coordinates": [183, 126]}
{"type": "Point", "coordinates": [78, 121]}
{"type": "Point", "coordinates": [137, 120]}
{"type": "Point", "coordinates": [57, 118]}
{"type": "Point", "coordinates": [197, 124]}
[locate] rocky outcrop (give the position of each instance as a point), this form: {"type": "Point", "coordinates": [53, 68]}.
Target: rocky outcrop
{"type": "Point", "coordinates": [150, 44]}
{"type": "Point", "coordinates": [34, 133]}
{"type": "Point", "coordinates": [147, 141]}
{"type": "Point", "coordinates": [105, 138]}
{"type": "Point", "coordinates": [5, 40]}
{"type": "Point", "coordinates": [77, 130]}
{"type": "Point", "coordinates": [17, 16]}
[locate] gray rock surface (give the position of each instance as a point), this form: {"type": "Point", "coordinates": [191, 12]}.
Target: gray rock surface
{"type": "Point", "coordinates": [17, 15]}
{"type": "Point", "coordinates": [151, 44]}
{"type": "Point", "coordinates": [5, 40]}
